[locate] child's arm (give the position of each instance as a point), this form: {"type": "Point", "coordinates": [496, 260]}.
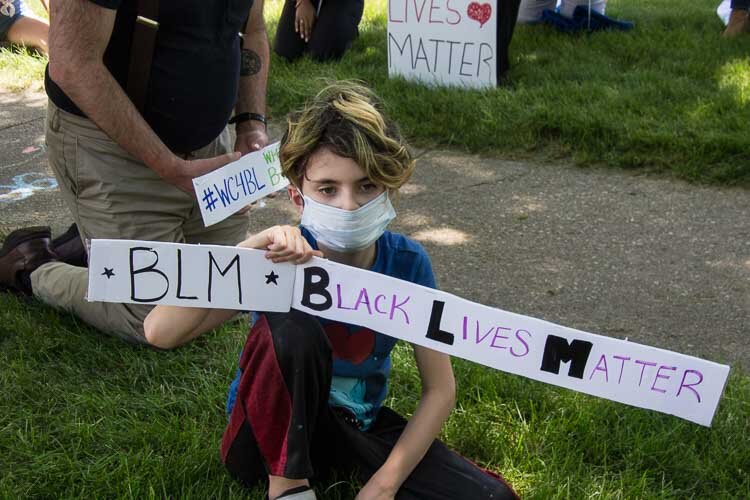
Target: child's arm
{"type": "Point", "coordinates": [438, 399]}
{"type": "Point", "coordinates": [168, 327]}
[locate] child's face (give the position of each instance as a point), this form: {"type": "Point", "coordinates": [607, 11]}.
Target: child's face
{"type": "Point", "coordinates": [335, 181]}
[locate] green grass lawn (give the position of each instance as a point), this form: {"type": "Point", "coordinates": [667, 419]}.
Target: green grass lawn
{"type": "Point", "coordinates": [669, 96]}
{"type": "Point", "coordinates": [82, 415]}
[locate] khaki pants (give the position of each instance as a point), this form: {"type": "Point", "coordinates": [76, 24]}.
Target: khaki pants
{"type": "Point", "coordinates": [114, 196]}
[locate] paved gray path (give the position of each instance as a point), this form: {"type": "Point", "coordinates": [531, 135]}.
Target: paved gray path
{"type": "Point", "coordinates": [655, 260]}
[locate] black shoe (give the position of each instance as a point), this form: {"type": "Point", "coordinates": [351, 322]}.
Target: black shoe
{"type": "Point", "coordinates": [23, 251]}
{"type": "Point", "coordinates": [69, 248]}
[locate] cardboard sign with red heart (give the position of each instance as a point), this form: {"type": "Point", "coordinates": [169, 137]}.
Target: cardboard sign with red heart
{"type": "Point", "coordinates": [480, 12]}
{"type": "Point", "coordinates": [438, 42]}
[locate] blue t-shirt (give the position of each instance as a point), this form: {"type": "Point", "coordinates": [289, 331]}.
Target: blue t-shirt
{"type": "Point", "coordinates": [362, 357]}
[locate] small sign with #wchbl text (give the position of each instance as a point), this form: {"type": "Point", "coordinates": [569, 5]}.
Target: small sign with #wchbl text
{"type": "Point", "coordinates": [234, 186]}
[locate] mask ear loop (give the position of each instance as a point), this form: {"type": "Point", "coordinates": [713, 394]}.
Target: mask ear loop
{"type": "Point", "coordinates": [299, 192]}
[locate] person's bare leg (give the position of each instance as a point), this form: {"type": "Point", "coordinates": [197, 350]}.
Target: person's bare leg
{"type": "Point", "coordinates": [31, 32]}
{"type": "Point", "coordinates": [278, 485]}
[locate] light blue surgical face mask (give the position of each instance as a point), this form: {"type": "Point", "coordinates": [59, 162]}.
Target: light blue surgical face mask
{"type": "Point", "coordinates": [347, 230]}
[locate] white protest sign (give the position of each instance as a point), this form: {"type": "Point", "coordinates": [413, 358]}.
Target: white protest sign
{"type": "Point", "coordinates": [235, 185]}
{"type": "Point", "coordinates": [149, 272]}
{"type": "Point", "coordinates": [449, 42]}
{"type": "Point", "coordinates": [618, 370]}
{"type": "Point", "coordinates": [237, 278]}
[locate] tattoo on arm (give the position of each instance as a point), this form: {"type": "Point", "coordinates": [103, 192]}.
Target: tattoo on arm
{"type": "Point", "coordinates": [249, 63]}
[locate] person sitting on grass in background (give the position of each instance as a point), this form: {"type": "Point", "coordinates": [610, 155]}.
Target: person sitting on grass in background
{"type": "Point", "coordinates": [308, 396]}
{"type": "Point", "coordinates": [20, 26]}
{"type": "Point", "coordinates": [323, 28]}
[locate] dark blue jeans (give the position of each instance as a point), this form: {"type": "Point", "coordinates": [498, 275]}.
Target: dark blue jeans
{"type": "Point", "coordinates": [741, 4]}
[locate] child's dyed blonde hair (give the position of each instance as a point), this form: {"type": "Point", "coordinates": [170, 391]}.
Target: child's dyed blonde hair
{"type": "Point", "coordinates": [347, 118]}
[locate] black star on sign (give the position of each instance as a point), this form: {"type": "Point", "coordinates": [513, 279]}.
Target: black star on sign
{"type": "Point", "coordinates": [108, 272]}
{"type": "Point", "coordinates": [271, 278]}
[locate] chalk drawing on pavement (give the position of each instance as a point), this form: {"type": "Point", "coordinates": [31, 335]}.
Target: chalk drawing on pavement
{"type": "Point", "coordinates": [24, 186]}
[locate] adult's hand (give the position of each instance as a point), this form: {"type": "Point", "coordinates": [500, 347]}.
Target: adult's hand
{"type": "Point", "coordinates": [79, 33]}
{"type": "Point", "coordinates": [304, 19]}
{"type": "Point", "coordinates": [180, 173]}
{"type": "Point", "coordinates": [251, 136]}
{"type": "Point", "coordinates": [251, 97]}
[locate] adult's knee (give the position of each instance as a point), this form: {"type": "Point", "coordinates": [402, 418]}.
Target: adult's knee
{"type": "Point", "coordinates": [332, 48]}
{"type": "Point", "coordinates": [288, 43]}
{"type": "Point", "coordinates": [288, 52]}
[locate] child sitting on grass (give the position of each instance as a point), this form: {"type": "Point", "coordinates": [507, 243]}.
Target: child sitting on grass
{"type": "Point", "coordinates": [308, 397]}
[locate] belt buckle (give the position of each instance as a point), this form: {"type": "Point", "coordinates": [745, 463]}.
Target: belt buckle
{"type": "Point", "coordinates": [149, 23]}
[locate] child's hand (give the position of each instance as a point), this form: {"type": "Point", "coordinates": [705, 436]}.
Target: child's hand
{"type": "Point", "coordinates": [284, 244]}
{"type": "Point", "coordinates": [377, 489]}
{"type": "Point", "coordinates": [372, 492]}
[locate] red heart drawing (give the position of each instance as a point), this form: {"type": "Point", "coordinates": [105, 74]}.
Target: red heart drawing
{"type": "Point", "coordinates": [479, 12]}
{"type": "Point", "coordinates": [355, 347]}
